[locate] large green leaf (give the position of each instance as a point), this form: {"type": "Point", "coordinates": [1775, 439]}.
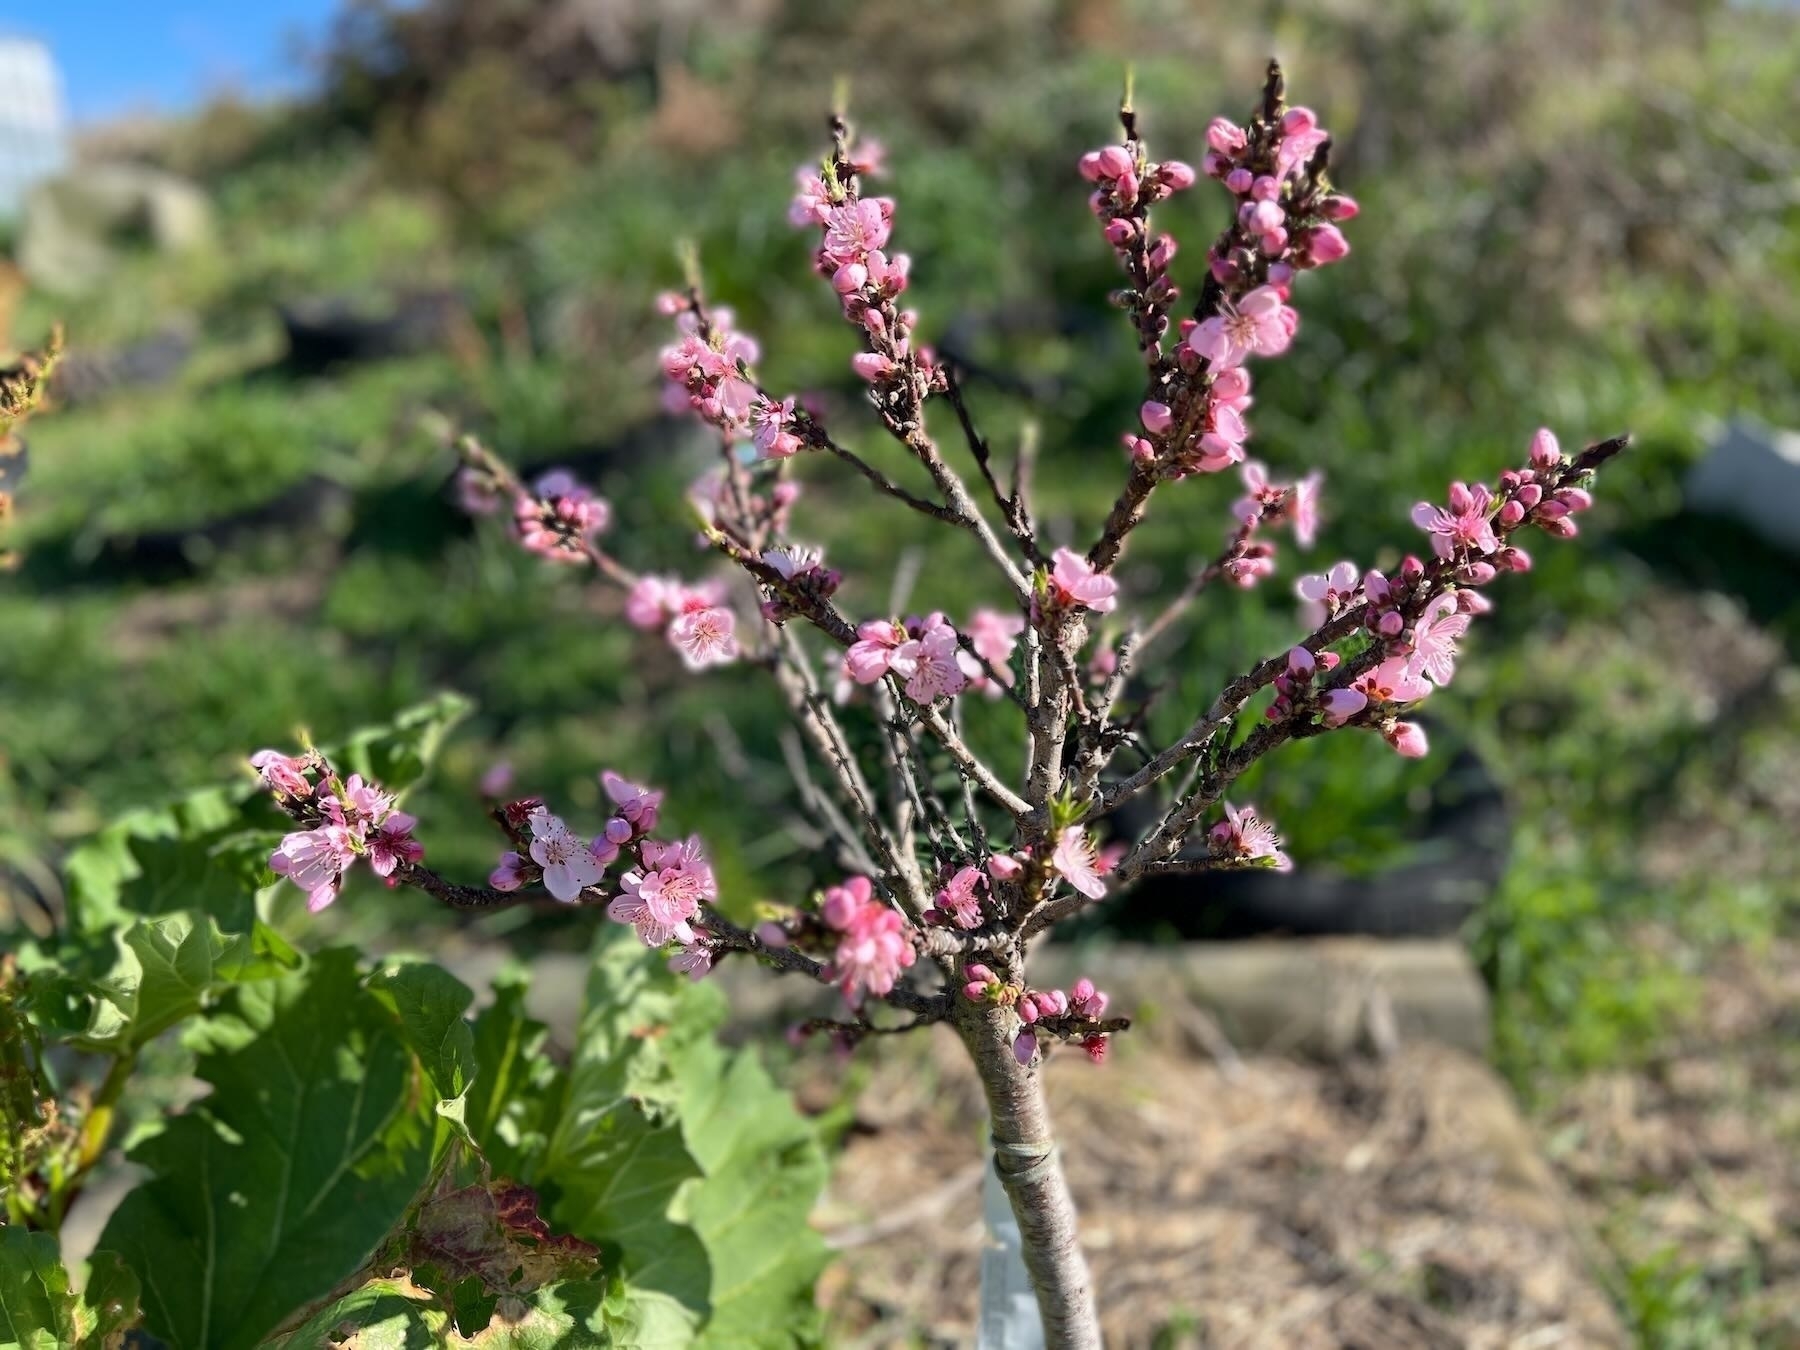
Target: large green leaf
{"type": "Point", "coordinates": [517, 1088]}
{"type": "Point", "coordinates": [691, 1160]}
{"type": "Point", "coordinates": [38, 1311]}
{"type": "Point", "coordinates": [280, 1183]}
{"type": "Point", "coordinates": [430, 1002]}
{"type": "Point", "coordinates": [170, 968]}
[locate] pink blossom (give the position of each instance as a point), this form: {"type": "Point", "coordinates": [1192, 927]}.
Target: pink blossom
{"type": "Point", "coordinates": [694, 961]}
{"type": "Point", "coordinates": [650, 601]}
{"type": "Point", "coordinates": [393, 844]}
{"type": "Point", "coordinates": [959, 901]}
{"type": "Point", "coordinates": [1303, 508]}
{"type": "Point", "coordinates": [928, 662]}
{"type": "Point", "coordinates": [315, 860]}
{"type": "Point", "coordinates": [1434, 639]}
{"type": "Point", "coordinates": [497, 781]}
{"type": "Point", "coordinates": [509, 875]}
{"type": "Point", "coordinates": [281, 774]}
{"type": "Point", "coordinates": [1243, 836]}
{"type": "Point", "coordinates": [854, 228]}
{"type": "Point", "coordinates": [1075, 584]}
{"type": "Point", "coordinates": [1156, 417]}
{"type": "Point", "coordinates": [704, 632]}
{"type": "Point", "coordinates": [874, 949]}
{"type": "Point", "coordinates": [812, 204]}
{"type": "Point", "coordinates": [769, 428]}
{"type": "Point", "coordinates": [1393, 681]}
{"type": "Point", "coordinates": [1078, 863]}
{"type": "Point", "coordinates": [660, 897]}
{"type": "Point", "coordinates": [1332, 589]}
{"type": "Point", "coordinates": [1226, 137]}
{"type": "Point", "coordinates": [569, 868]}
{"type": "Point", "coordinates": [1260, 325]}
{"type": "Point", "coordinates": [872, 655]}
{"type": "Point", "coordinates": [1338, 706]}
{"type": "Point", "coordinates": [994, 636]}
{"type": "Point", "coordinates": [1408, 738]}
{"type": "Point", "coordinates": [638, 805]}
{"type": "Point", "coordinates": [1463, 524]}
{"type": "Point", "coordinates": [1301, 137]}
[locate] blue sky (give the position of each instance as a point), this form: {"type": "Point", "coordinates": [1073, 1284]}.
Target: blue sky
{"type": "Point", "coordinates": [120, 56]}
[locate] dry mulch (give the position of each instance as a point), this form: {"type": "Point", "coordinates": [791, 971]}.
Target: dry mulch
{"type": "Point", "coordinates": [1261, 1203]}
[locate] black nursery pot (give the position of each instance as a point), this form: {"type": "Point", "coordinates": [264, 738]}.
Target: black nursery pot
{"type": "Point", "coordinates": [1458, 860]}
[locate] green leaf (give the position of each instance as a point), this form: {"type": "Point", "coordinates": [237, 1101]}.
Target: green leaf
{"type": "Point", "coordinates": [170, 968]}
{"type": "Point", "coordinates": [395, 1314]}
{"type": "Point", "coordinates": [517, 1088]}
{"type": "Point", "coordinates": [430, 1002]}
{"type": "Point", "coordinates": [39, 1312]}
{"type": "Point", "coordinates": [278, 1185]}
{"type": "Point", "coordinates": [397, 754]}
{"type": "Point", "coordinates": [691, 1160]}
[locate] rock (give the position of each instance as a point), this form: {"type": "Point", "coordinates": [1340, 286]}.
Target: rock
{"type": "Point", "coordinates": [77, 226]}
{"type": "Point", "coordinates": [1752, 475]}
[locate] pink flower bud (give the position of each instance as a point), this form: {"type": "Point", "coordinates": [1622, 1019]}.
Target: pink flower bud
{"type": "Point", "coordinates": [975, 991]}
{"type": "Point", "coordinates": [1213, 164]}
{"type": "Point", "coordinates": [1177, 175]}
{"type": "Point", "coordinates": [1390, 624]}
{"type": "Point", "coordinates": [1462, 501]}
{"type": "Point", "coordinates": [1089, 165]}
{"type": "Point", "coordinates": [1511, 514]}
{"type": "Point", "coordinates": [1529, 495]}
{"type": "Point", "coordinates": [1513, 559]}
{"type": "Point", "coordinates": [1025, 1047]}
{"type": "Point", "coordinates": [1162, 253]}
{"type": "Point", "coordinates": [978, 972]}
{"type": "Point", "coordinates": [1301, 664]}
{"type": "Point", "coordinates": [1125, 187]}
{"type": "Point", "coordinates": [1326, 244]}
{"type": "Point", "coordinates": [1239, 181]}
{"type": "Point", "coordinates": [1560, 528]}
{"type": "Point", "coordinates": [838, 908]}
{"type": "Point", "coordinates": [670, 303]}
{"type": "Point", "coordinates": [850, 277]}
{"type": "Point", "coordinates": [1157, 417]}
{"type": "Point", "coordinates": [1340, 705]}
{"type": "Point", "coordinates": [1554, 509]}
{"type": "Point", "coordinates": [1004, 867]}
{"type": "Point", "coordinates": [1545, 452]}
{"type": "Point", "coordinates": [1329, 660]}
{"type": "Point", "coordinates": [872, 366]}
{"type": "Point", "coordinates": [1265, 189]}
{"type": "Point", "coordinates": [1140, 449]}
{"type": "Point", "coordinates": [1225, 136]}
{"type": "Point", "coordinates": [1280, 274]}
{"type": "Point", "coordinates": [1119, 232]}
{"type": "Point", "coordinates": [1472, 602]}
{"type": "Point", "coordinates": [1115, 161]}
{"type": "Point", "coordinates": [1298, 121]}
{"type": "Point", "coordinates": [1408, 738]}
{"type": "Point", "coordinates": [1575, 499]}
{"type": "Point", "coordinates": [1028, 1011]}
{"type": "Point", "coordinates": [1411, 569]}
{"type": "Point", "coordinates": [1475, 573]}
{"type": "Point", "coordinates": [1273, 242]}
{"type": "Point", "coordinates": [1339, 207]}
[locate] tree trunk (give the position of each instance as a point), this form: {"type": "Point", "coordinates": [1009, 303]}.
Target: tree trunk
{"type": "Point", "coordinates": [1026, 1160]}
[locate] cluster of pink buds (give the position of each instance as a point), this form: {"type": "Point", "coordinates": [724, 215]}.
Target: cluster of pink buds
{"type": "Point", "coordinates": [1522, 498]}
{"type": "Point", "coordinates": [1071, 1016]}
{"type": "Point", "coordinates": [1285, 208]}
{"type": "Point", "coordinates": [1244, 838]}
{"type": "Point", "coordinates": [923, 652]}
{"type": "Point", "coordinates": [852, 256]}
{"type": "Point", "coordinates": [958, 901]}
{"type": "Point", "coordinates": [1293, 687]}
{"type": "Point", "coordinates": [345, 820]}
{"type": "Point", "coordinates": [874, 945]}
{"type": "Point", "coordinates": [1126, 186]}
{"type": "Point", "coordinates": [695, 619]}
{"type": "Point", "coordinates": [1215, 440]}
{"type": "Point", "coordinates": [560, 517]}
{"type": "Point", "coordinates": [805, 580]}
